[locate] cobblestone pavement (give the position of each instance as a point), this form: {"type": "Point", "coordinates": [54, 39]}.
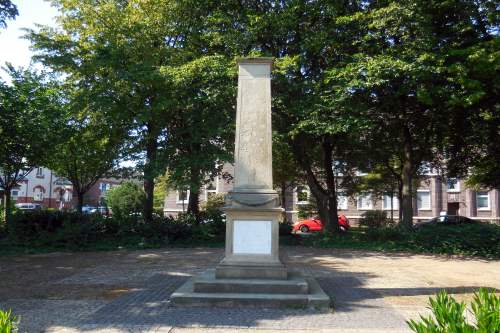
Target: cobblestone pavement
{"type": "Point", "coordinates": [129, 291]}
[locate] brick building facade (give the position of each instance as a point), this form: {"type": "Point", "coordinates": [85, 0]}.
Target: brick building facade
{"type": "Point", "coordinates": [433, 196]}
{"type": "Point", "coordinates": [42, 186]}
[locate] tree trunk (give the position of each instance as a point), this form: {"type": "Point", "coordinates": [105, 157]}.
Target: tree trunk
{"type": "Point", "coordinates": [283, 201]}
{"type": "Point", "coordinates": [194, 203]}
{"type": "Point", "coordinates": [407, 177]}
{"type": "Point", "coordinates": [331, 224]}
{"type": "Point", "coordinates": [149, 173]}
{"type": "Point", "coordinates": [79, 201]}
{"type": "Point", "coordinates": [400, 200]}
{"type": "Point", "coordinates": [6, 203]}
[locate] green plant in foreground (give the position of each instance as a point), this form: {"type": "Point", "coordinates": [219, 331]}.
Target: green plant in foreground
{"type": "Point", "coordinates": [449, 315]}
{"type": "Point", "coordinates": [8, 322]}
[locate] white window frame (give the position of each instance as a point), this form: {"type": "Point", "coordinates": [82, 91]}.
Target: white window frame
{"type": "Point", "coordinates": [429, 207]}
{"type": "Point", "coordinates": [341, 197]}
{"type": "Point", "coordinates": [179, 201]}
{"type": "Point", "coordinates": [17, 191]}
{"type": "Point", "coordinates": [39, 172]}
{"type": "Point", "coordinates": [305, 190]}
{"type": "Point", "coordinates": [488, 197]}
{"type": "Point", "coordinates": [395, 202]}
{"type": "Point", "coordinates": [457, 189]}
{"type": "Point", "coordinates": [216, 180]}
{"type": "Point", "coordinates": [360, 200]}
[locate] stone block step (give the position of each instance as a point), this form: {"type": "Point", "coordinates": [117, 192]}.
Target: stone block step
{"type": "Point", "coordinates": [207, 283]}
{"type": "Point", "coordinates": [186, 296]}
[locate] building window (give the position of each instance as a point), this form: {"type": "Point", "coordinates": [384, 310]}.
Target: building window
{"type": "Point", "coordinates": [39, 172]}
{"type": "Point", "coordinates": [302, 195]}
{"type": "Point", "coordinates": [423, 200]}
{"type": "Point", "coordinates": [483, 200]}
{"type": "Point", "coordinates": [211, 188]}
{"type": "Point", "coordinates": [104, 187]}
{"type": "Point", "coordinates": [68, 196]}
{"type": "Point", "coordinates": [14, 193]}
{"type": "Point", "coordinates": [38, 194]}
{"type": "Point", "coordinates": [453, 185]}
{"type": "Point", "coordinates": [182, 196]}
{"type": "Point", "coordinates": [342, 201]}
{"type": "Point", "coordinates": [387, 202]}
{"type": "Point", "coordinates": [365, 202]}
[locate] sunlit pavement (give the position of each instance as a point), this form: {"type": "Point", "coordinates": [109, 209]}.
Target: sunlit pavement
{"type": "Point", "coordinates": [128, 291]}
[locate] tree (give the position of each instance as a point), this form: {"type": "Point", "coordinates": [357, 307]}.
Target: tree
{"type": "Point", "coordinates": [87, 151]}
{"type": "Point", "coordinates": [402, 75]}
{"type": "Point", "coordinates": [125, 199]}
{"type": "Point", "coordinates": [7, 11]}
{"type": "Point", "coordinates": [29, 122]}
{"type": "Point", "coordinates": [203, 127]}
{"type": "Point", "coordinates": [161, 189]}
{"type": "Point", "coordinates": [297, 34]}
{"type": "Point", "coordinates": [120, 53]}
{"type": "Point", "coordinates": [129, 57]}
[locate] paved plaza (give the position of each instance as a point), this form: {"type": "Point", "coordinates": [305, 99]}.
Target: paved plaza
{"type": "Point", "coordinates": [128, 291]}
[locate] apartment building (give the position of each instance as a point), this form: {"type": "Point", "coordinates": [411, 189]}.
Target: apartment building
{"type": "Point", "coordinates": [433, 196]}
{"type": "Point", "coordinates": [42, 186]}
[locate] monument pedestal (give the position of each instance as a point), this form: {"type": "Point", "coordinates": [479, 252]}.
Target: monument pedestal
{"type": "Point", "coordinates": [251, 273]}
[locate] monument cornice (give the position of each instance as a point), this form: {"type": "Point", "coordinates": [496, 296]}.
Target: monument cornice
{"type": "Point", "coordinates": [254, 60]}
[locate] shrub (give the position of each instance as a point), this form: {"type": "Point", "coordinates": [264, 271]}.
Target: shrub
{"type": "Point", "coordinates": [285, 228]}
{"type": "Point", "coordinates": [469, 239]}
{"type": "Point", "coordinates": [8, 322]}
{"type": "Point", "coordinates": [126, 199]}
{"type": "Point", "coordinates": [213, 204]}
{"type": "Point", "coordinates": [449, 315]}
{"type": "Point", "coordinates": [374, 219]}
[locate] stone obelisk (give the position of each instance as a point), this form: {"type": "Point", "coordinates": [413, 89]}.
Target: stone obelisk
{"type": "Point", "coordinates": [251, 273]}
{"type": "Point", "coordinates": [252, 207]}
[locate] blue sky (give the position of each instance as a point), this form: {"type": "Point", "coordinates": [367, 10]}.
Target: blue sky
{"type": "Point", "coordinates": [13, 48]}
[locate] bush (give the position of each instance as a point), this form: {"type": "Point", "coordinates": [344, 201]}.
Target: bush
{"type": "Point", "coordinates": [469, 239]}
{"type": "Point", "coordinates": [126, 199]}
{"type": "Point", "coordinates": [374, 219]}
{"type": "Point", "coordinates": [8, 322]}
{"type": "Point", "coordinates": [285, 228]}
{"type": "Point", "coordinates": [449, 315]}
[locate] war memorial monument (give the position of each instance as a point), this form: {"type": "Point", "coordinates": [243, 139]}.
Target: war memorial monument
{"type": "Point", "coordinates": [252, 273]}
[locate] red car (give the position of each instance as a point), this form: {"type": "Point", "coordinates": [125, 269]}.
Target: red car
{"type": "Point", "coordinates": [315, 224]}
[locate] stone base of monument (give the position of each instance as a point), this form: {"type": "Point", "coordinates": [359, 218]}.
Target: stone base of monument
{"type": "Point", "coordinates": [206, 290]}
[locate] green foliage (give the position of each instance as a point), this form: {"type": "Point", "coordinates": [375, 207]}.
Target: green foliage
{"type": "Point", "coordinates": [8, 322]}
{"type": "Point", "coordinates": [125, 199]}
{"type": "Point", "coordinates": [214, 204]}
{"type": "Point", "coordinates": [481, 240]}
{"type": "Point", "coordinates": [449, 315]}
{"type": "Point", "coordinates": [374, 219]}
{"type": "Point", "coordinates": [56, 230]}
{"type": "Point", "coordinates": [8, 10]}
{"type": "Point", "coordinates": [160, 191]}
{"type": "Point", "coordinates": [30, 122]}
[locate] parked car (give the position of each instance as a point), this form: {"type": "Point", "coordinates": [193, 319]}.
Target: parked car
{"type": "Point", "coordinates": [28, 206]}
{"type": "Point", "coordinates": [447, 220]}
{"type": "Point", "coordinates": [315, 224]}
{"type": "Point", "coordinates": [87, 209]}
{"type": "Point", "coordinates": [99, 210]}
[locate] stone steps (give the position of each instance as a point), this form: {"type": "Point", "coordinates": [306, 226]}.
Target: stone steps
{"type": "Point", "coordinates": [207, 283]}
{"type": "Point", "coordinates": [265, 297]}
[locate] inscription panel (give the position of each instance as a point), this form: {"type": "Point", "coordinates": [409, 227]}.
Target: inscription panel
{"type": "Point", "coordinates": [252, 237]}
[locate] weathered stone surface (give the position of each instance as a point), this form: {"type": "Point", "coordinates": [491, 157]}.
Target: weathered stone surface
{"type": "Point", "coordinates": [253, 155]}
